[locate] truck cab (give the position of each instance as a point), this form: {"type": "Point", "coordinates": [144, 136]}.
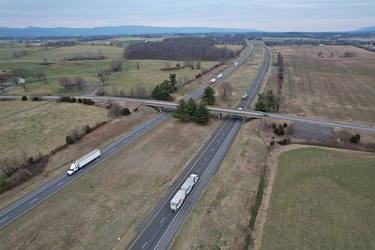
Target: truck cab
{"type": "Point", "coordinates": [72, 169]}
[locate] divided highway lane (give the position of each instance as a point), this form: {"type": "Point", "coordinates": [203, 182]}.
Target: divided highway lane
{"type": "Point", "coordinates": [154, 230]}
{"type": "Point", "coordinates": [34, 198]}
{"type": "Point", "coordinates": [159, 228]}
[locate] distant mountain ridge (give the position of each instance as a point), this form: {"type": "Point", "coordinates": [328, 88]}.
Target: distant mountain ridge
{"type": "Point", "coordinates": [110, 31]}
{"type": "Point", "coordinates": [366, 29]}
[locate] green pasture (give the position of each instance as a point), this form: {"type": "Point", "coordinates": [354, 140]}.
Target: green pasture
{"type": "Point", "coordinates": [149, 74]}
{"type": "Point", "coordinates": [322, 199]}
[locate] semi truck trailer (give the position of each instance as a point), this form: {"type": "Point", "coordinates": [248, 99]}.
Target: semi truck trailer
{"type": "Point", "coordinates": [184, 191]}
{"type": "Point", "coordinates": [80, 163]}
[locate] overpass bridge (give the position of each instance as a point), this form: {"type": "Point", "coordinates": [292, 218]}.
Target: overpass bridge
{"type": "Point", "coordinates": [158, 104]}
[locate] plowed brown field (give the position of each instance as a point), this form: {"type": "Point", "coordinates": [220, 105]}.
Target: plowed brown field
{"type": "Point", "coordinates": [330, 88]}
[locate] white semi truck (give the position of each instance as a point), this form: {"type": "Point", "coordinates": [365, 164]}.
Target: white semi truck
{"type": "Point", "coordinates": [78, 164]}
{"type": "Point", "coordinates": [184, 191]}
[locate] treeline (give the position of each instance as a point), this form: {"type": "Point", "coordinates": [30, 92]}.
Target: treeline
{"type": "Point", "coordinates": [343, 42]}
{"type": "Point", "coordinates": [84, 58]}
{"type": "Point", "coordinates": [17, 54]}
{"type": "Point", "coordinates": [178, 49]}
{"type": "Point", "coordinates": [19, 170]}
{"type": "Point", "coordinates": [61, 43]}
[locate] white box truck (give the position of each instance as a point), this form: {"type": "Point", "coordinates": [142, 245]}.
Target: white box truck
{"type": "Point", "coordinates": [78, 164]}
{"type": "Point", "coordinates": [219, 76]}
{"type": "Point", "coordinates": [212, 80]}
{"type": "Point", "coordinates": [189, 184]}
{"type": "Point", "coordinates": [184, 191]}
{"type": "Point", "coordinates": [177, 201]}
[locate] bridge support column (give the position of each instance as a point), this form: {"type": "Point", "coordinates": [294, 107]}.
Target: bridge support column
{"type": "Point", "coordinates": [160, 108]}
{"type": "Point", "coordinates": [243, 119]}
{"type": "Point", "coordinates": [220, 116]}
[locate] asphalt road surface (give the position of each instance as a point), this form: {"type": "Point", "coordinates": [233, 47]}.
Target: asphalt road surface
{"type": "Point", "coordinates": [160, 226]}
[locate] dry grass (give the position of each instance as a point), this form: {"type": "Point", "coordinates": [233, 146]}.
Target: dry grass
{"type": "Point", "coordinates": [336, 89]}
{"type": "Point", "coordinates": [59, 162]}
{"type": "Point", "coordinates": [221, 218]}
{"type": "Point", "coordinates": [241, 79]}
{"type": "Point", "coordinates": [111, 200]}
{"type": "Point", "coordinates": [44, 128]}
{"type": "Point", "coordinates": [321, 199]}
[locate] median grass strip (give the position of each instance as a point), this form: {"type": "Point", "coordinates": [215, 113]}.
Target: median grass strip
{"type": "Point", "coordinates": [322, 199]}
{"type": "Point", "coordinates": [221, 218]}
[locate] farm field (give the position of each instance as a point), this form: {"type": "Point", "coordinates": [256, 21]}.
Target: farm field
{"type": "Point", "coordinates": [329, 88]}
{"type": "Point", "coordinates": [321, 199]}
{"type": "Point", "coordinates": [112, 199]}
{"type": "Point", "coordinates": [50, 61]}
{"type": "Point", "coordinates": [221, 218]}
{"type": "Point", "coordinates": [44, 128]}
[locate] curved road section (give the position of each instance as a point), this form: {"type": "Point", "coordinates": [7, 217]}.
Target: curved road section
{"type": "Point", "coordinates": [37, 196]}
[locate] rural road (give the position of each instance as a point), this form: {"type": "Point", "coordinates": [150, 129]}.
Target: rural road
{"type": "Point", "coordinates": [37, 196]}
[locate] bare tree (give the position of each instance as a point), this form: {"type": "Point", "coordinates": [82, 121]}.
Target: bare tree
{"type": "Point", "coordinates": [332, 54]}
{"type": "Point", "coordinates": [167, 64]}
{"type": "Point", "coordinates": [137, 64]}
{"type": "Point", "coordinates": [40, 75]}
{"type": "Point", "coordinates": [198, 64]}
{"type": "Point", "coordinates": [320, 54]}
{"type": "Point", "coordinates": [2, 80]}
{"type": "Point", "coordinates": [24, 85]}
{"type": "Point", "coordinates": [225, 89]}
{"type": "Point", "coordinates": [65, 82]}
{"type": "Point", "coordinates": [22, 72]}
{"type": "Point", "coordinates": [45, 60]}
{"type": "Point", "coordinates": [80, 82]}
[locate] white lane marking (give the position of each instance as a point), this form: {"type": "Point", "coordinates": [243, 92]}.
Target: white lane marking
{"type": "Point", "coordinates": [33, 200]}
{"type": "Point", "coordinates": [3, 219]}
{"type": "Point", "coordinates": [205, 159]}
{"type": "Point", "coordinates": [198, 169]}
{"type": "Point", "coordinates": [218, 141]}
{"type": "Point", "coordinates": [112, 149]}
{"type": "Point", "coordinates": [126, 141]}
{"type": "Point", "coordinates": [144, 245]}
{"type": "Point", "coordinates": [213, 149]}
{"type": "Point", "coordinates": [60, 183]}
{"type": "Point", "coordinates": [147, 126]}
{"type": "Point", "coordinates": [162, 220]}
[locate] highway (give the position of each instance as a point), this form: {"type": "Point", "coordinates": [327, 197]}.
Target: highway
{"type": "Point", "coordinates": [37, 196]}
{"type": "Point", "coordinates": [159, 228]}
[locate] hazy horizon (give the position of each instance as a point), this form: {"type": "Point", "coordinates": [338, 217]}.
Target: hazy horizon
{"type": "Point", "coordinates": [273, 16]}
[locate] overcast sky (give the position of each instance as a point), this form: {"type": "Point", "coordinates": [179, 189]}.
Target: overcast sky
{"type": "Point", "coordinates": [266, 15]}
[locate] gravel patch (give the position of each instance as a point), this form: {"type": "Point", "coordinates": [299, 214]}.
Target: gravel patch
{"type": "Point", "coordinates": [313, 132]}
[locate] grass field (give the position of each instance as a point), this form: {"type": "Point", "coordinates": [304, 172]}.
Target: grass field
{"type": "Point", "coordinates": [111, 200]}
{"type": "Point", "coordinates": [149, 74]}
{"type": "Point", "coordinates": [322, 199]}
{"type": "Point", "coordinates": [336, 89]}
{"type": "Point", "coordinates": [221, 218]}
{"type": "Point", "coordinates": [42, 129]}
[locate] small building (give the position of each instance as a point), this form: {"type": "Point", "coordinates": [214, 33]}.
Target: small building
{"type": "Point", "coordinates": [20, 81]}
{"type": "Point", "coordinates": [321, 45]}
